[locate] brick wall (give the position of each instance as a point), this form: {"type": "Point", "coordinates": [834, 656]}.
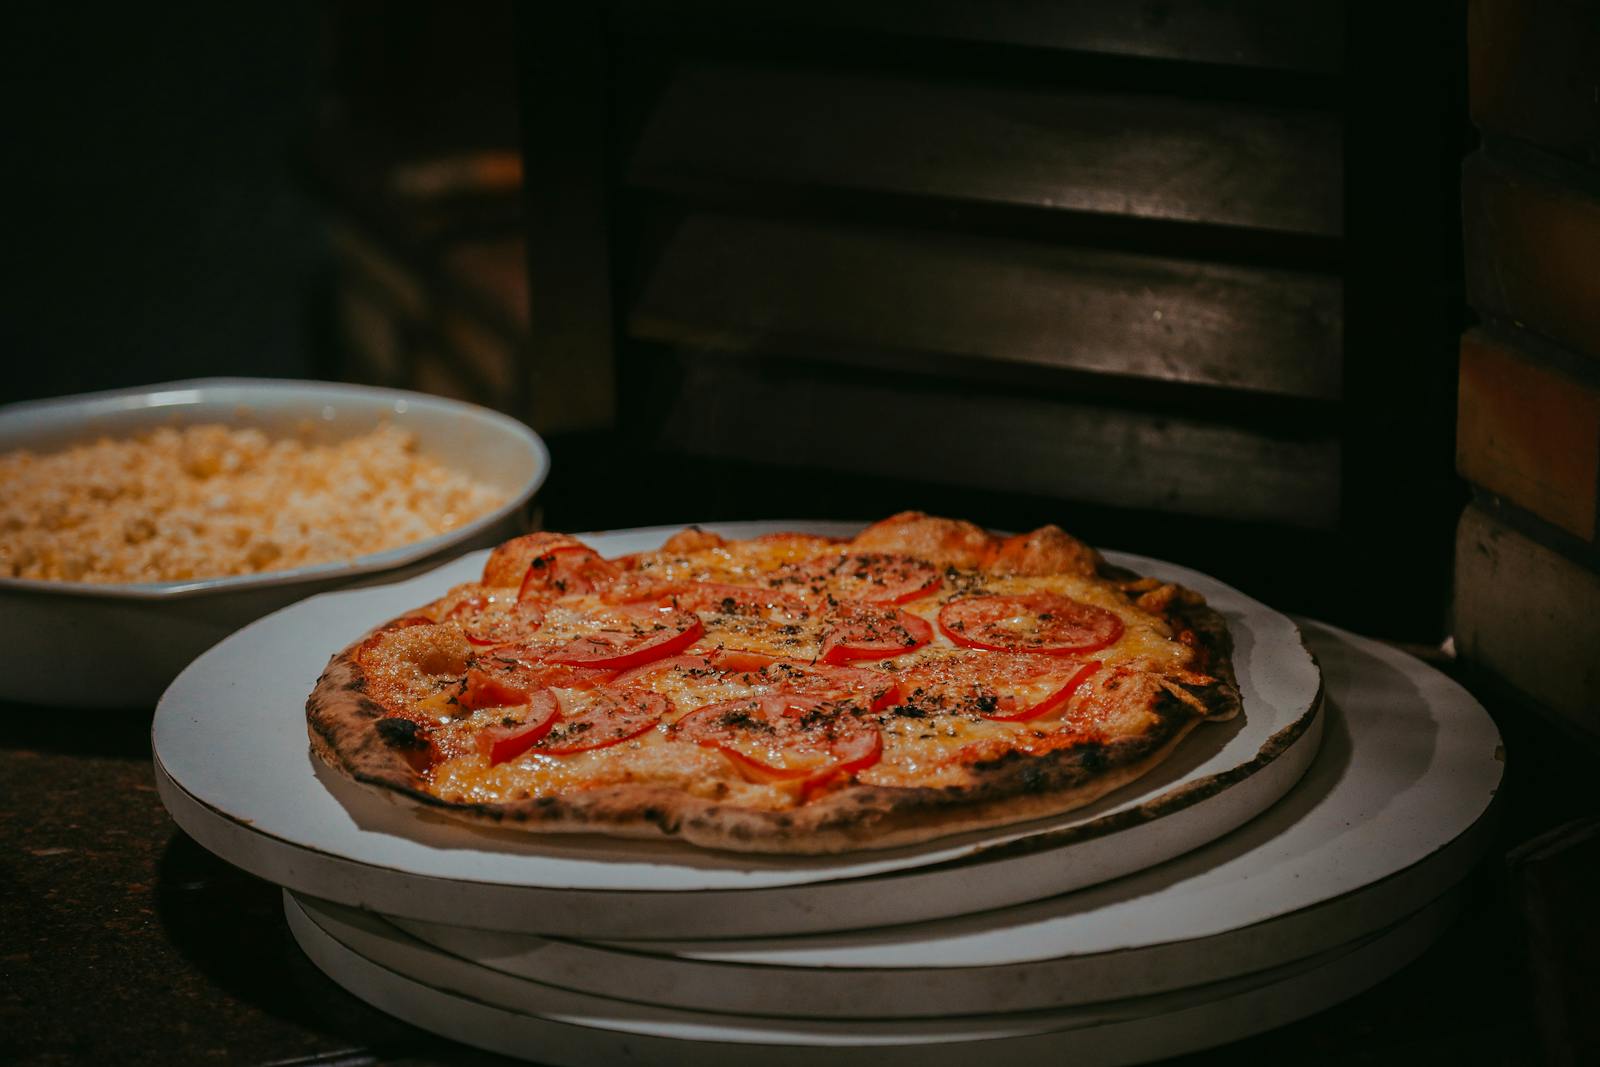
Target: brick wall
{"type": "Point", "coordinates": [1527, 586]}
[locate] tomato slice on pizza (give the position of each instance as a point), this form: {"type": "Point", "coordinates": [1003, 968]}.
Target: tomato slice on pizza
{"type": "Point", "coordinates": [488, 619]}
{"type": "Point", "coordinates": [874, 577]}
{"type": "Point", "coordinates": [752, 619]}
{"type": "Point", "coordinates": [786, 737]}
{"type": "Point", "coordinates": [600, 718]}
{"type": "Point", "coordinates": [519, 728]}
{"type": "Point", "coordinates": [872, 689]}
{"type": "Point", "coordinates": [1049, 624]}
{"type": "Point", "coordinates": [737, 659]}
{"type": "Point", "coordinates": [862, 631]}
{"type": "Point", "coordinates": [628, 637]}
{"type": "Point", "coordinates": [566, 570]}
{"type": "Point", "coordinates": [507, 565]}
{"type": "Point", "coordinates": [511, 675]}
{"type": "Point", "coordinates": [687, 666]}
{"type": "Point", "coordinates": [999, 686]}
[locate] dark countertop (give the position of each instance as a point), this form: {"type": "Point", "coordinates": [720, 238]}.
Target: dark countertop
{"type": "Point", "coordinates": [124, 941]}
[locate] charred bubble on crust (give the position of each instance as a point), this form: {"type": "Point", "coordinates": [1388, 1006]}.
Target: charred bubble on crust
{"type": "Point", "coordinates": [1092, 756]}
{"type": "Point", "coordinates": [1168, 707]}
{"type": "Point", "coordinates": [401, 733]}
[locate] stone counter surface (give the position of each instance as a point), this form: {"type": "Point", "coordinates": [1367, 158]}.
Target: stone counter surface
{"type": "Point", "coordinates": [125, 942]}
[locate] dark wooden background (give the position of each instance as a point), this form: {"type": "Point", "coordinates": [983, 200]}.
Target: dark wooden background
{"type": "Point", "coordinates": [1182, 278]}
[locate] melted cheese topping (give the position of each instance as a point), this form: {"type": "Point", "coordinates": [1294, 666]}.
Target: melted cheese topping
{"type": "Point", "coordinates": [738, 562]}
{"type": "Point", "coordinates": [924, 744]}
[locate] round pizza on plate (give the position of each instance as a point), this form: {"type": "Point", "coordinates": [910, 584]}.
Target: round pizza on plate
{"type": "Point", "coordinates": [786, 693]}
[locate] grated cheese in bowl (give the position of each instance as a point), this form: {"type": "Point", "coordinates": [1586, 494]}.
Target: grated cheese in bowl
{"type": "Point", "coordinates": [205, 501]}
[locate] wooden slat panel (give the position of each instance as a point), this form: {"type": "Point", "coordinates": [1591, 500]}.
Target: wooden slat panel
{"type": "Point", "coordinates": [1120, 154]}
{"type": "Point", "coordinates": [1305, 36]}
{"type": "Point", "coordinates": [743, 284]}
{"type": "Point", "coordinates": [1007, 444]}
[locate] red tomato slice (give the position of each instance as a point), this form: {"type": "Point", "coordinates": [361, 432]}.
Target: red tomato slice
{"type": "Point", "coordinates": [520, 728]}
{"type": "Point", "coordinates": [565, 570]}
{"type": "Point", "coordinates": [631, 637]}
{"type": "Point", "coordinates": [660, 666]}
{"type": "Point", "coordinates": [512, 674]}
{"type": "Point", "coordinates": [733, 659]}
{"type": "Point", "coordinates": [785, 737]}
{"type": "Point", "coordinates": [487, 621]}
{"type": "Point", "coordinates": [756, 771]}
{"type": "Point", "coordinates": [1052, 701]}
{"type": "Point", "coordinates": [508, 563]}
{"type": "Point", "coordinates": [1046, 623]}
{"type": "Point", "coordinates": [603, 718]}
{"type": "Point", "coordinates": [468, 606]}
{"type": "Point", "coordinates": [875, 577]}
{"type": "Point", "coordinates": [874, 689]}
{"type": "Point", "coordinates": [850, 757]}
{"type": "Point", "coordinates": [872, 631]}
{"type": "Point", "coordinates": [1008, 687]}
{"type": "Point", "coordinates": [483, 689]}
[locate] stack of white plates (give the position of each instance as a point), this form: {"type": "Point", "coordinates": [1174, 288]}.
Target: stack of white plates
{"type": "Point", "coordinates": [1274, 866]}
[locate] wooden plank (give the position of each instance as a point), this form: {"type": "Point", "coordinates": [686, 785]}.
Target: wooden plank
{"type": "Point", "coordinates": [1534, 72]}
{"type": "Point", "coordinates": [753, 285]}
{"type": "Point", "coordinates": [1149, 157]}
{"type": "Point", "coordinates": [1307, 36]}
{"type": "Point", "coordinates": [1530, 432]}
{"type": "Point", "coordinates": [1001, 443]}
{"type": "Point", "coordinates": [1533, 252]}
{"type": "Point", "coordinates": [1530, 615]}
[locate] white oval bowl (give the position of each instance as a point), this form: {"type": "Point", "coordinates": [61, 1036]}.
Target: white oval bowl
{"type": "Point", "coordinates": [96, 645]}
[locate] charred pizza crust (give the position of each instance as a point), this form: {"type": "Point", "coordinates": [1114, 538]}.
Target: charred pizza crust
{"type": "Point", "coordinates": [356, 735]}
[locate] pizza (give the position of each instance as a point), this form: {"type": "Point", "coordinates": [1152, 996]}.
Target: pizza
{"type": "Point", "coordinates": [788, 693]}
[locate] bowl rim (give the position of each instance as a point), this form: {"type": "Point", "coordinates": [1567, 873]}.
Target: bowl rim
{"type": "Point", "coordinates": [191, 392]}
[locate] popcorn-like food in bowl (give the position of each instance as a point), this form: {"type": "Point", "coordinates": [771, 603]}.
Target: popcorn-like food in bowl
{"type": "Point", "coordinates": [207, 501]}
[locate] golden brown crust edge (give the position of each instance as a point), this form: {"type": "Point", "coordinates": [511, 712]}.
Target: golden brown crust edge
{"type": "Point", "coordinates": [342, 722]}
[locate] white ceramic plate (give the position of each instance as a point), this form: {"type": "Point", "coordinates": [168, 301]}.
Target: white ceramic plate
{"type": "Point", "coordinates": [490, 1010]}
{"type": "Point", "coordinates": [138, 636]}
{"type": "Point", "coordinates": [235, 770]}
{"type": "Point", "coordinates": [1394, 810]}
